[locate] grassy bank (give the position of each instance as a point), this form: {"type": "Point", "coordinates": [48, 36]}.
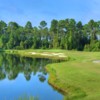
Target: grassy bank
{"type": "Point", "coordinates": [40, 53]}
{"type": "Point", "coordinates": [78, 78]}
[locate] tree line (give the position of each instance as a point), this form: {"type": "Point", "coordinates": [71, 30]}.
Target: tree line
{"type": "Point", "coordinates": [62, 34]}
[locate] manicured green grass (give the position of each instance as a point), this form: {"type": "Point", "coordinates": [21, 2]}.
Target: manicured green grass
{"type": "Point", "coordinates": [79, 78]}
{"type": "Point", "coordinates": [39, 53]}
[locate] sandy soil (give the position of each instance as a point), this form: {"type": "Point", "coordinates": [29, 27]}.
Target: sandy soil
{"type": "Point", "coordinates": [96, 61]}
{"type": "Point", "coordinates": [50, 54]}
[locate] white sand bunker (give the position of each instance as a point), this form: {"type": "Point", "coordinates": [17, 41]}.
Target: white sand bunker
{"type": "Point", "coordinates": [53, 54]}
{"type": "Point", "coordinates": [96, 61]}
{"type": "Point", "coordinates": [45, 54]}
{"type": "Point", "coordinates": [61, 55]}
{"type": "Point", "coordinates": [33, 53]}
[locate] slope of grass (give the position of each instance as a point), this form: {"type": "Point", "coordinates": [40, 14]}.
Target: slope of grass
{"type": "Point", "coordinates": [79, 78]}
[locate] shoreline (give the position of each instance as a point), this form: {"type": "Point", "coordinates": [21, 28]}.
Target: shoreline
{"type": "Point", "coordinates": [69, 76]}
{"type": "Point", "coordinates": [39, 54]}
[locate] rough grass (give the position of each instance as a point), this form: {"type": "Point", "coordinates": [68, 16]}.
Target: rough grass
{"type": "Point", "coordinates": [25, 97]}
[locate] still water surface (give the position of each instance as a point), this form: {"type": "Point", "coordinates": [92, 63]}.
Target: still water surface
{"type": "Point", "coordinates": [21, 76]}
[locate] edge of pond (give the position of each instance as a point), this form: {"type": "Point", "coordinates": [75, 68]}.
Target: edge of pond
{"type": "Point", "coordinates": [40, 55]}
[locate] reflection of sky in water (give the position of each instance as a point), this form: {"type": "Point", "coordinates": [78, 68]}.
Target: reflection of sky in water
{"type": "Point", "coordinates": [19, 87]}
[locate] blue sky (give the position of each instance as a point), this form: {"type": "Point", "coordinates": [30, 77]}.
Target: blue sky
{"type": "Point", "coordinates": [35, 11]}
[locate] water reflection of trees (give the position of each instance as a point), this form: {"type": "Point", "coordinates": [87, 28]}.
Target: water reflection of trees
{"type": "Point", "coordinates": [11, 66]}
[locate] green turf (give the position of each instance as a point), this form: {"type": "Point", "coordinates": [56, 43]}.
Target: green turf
{"type": "Point", "coordinates": [78, 78]}
{"type": "Point", "coordinates": [28, 53]}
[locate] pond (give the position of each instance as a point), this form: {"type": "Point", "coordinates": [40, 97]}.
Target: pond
{"type": "Point", "coordinates": [22, 76]}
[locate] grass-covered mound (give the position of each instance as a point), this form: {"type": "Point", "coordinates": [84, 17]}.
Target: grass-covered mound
{"type": "Point", "coordinates": [78, 79]}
